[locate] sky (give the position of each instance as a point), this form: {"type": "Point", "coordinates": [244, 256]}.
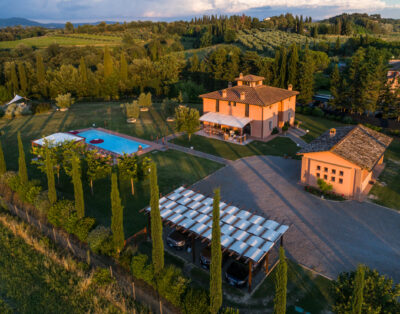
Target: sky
{"type": "Point", "coordinates": [127, 10]}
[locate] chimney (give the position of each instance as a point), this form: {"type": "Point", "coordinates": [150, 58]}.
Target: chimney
{"type": "Point", "coordinates": [290, 87]}
{"type": "Point", "coordinates": [332, 132]}
{"type": "Point", "coordinates": [224, 93]}
{"type": "Point", "coordinates": [242, 95]}
{"type": "Point", "coordinates": [241, 75]}
{"type": "Point", "coordinates": [229, 84]}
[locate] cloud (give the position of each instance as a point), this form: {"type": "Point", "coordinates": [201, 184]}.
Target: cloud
{"type": "Point", "coordinates": [159, 9]}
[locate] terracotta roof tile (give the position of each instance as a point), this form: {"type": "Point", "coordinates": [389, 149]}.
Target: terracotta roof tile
{"type": "Point", "coordinates": [250, 78]}
{"type": "Point", "coordinates": [357, 144]}
{"type": "Point", "coordinates": [261, 95]}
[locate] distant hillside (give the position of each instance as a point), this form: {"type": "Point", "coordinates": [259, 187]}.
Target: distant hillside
{"type": "Point", "coordinates": [15, 21]}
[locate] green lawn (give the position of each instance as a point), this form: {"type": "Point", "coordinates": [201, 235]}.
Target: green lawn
{"type": "Point", "coordinates": [174, 168]}
{"type": "Point", "coordinates": [277, 147]}
{"type": "Point", "coordinates": [315, 125]}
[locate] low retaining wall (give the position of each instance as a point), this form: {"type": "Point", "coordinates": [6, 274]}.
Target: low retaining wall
{"type": "Point", "coordinates": [137, 289]}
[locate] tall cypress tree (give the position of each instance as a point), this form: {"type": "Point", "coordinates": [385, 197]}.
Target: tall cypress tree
{"type": "Point", "coordinates": [276, 67]}
{"type": "Point", "coordinates": [14, 78]}
{"type": "Point", "coordinates": [282, 71]}
{"type": "Point", "coordinates": [335, 87]}
{"type": "Point", "coordinates": [281, 284]}
{"type": "Point", "coordinates": [216, 258]}
{"type": "Point", "coordinates": [78, 190]}
{"type": "Point", "coordinates": [22, 170]}
{"type": "Point", "coordinates": [83, 77]}
{"type": "Point", "coordinates": [156, 223]}
{"type": "Point", "coordinates": [124, 68]}
{"type": "Point", "coordinates": [51, 184]}
{"type": "Point", "coordinates": [108, 64]}
{"type": "Point", "coordinates": [23, 82]}
{"type": "Point", "coordinates": [41, 74]}
{"type": "Point", "coordinates": [358, 292]}
{"type": "Point", "coordinates": [306, 78]}
{"type": "Point", "coordinates": [117, 210]}
{"type": "Point", "coordinates": [3, 167]}
{"type": "Point", "coordinates": [293, 64]}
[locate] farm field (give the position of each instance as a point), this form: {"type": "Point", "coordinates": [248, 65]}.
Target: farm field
{"type": "Point", "coordinates": [174, 168]}
{"type": "Point", "coordinates": [35, 278]}
{"type": "Point", "coordinates": [64, 40]}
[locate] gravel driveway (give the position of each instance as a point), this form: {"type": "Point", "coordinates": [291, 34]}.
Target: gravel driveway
{"type": "Point", "coordinates": [329, 237]}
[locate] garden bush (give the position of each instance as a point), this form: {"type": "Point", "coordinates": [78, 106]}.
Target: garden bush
{"type": "Point", "coordinates": [374, 127]}
{"type": "Point", "coordinates": [10, 111]}
{"type": "Point", "coordinates": [196, 301]}
{"type": "Point", "coordinates": [61, 214]}
{"type": "Point", "coordinates": [97, 237]}
{"type": "Point", "coordinates": [64, 101]}
{"type": "Point", "coordinates": [171, 284]}
{"type": "Point", "coordinates": [307, 110]}
{"type": "Point", "coordinates": [347, 120]}
{"type": "Point", "coordinates": [42, 203]}
{"type": "Point", "coordinates": [168, 106]}
{"type": "Point", "coordinates": [275, 131]}
{"type": "Point", "coordinates": [102, 277]}
{"type": "Point", "coordinates": [141, 269]}
{"type": "Point", "coordinates": [83, 226]}
{"type": "Point", "coordinates": [22, 111]}
{"type": "Point", "coordinates": [132, 110]}
{"type": "Point", "coordinates": [317, 112]}
{"type": "Point", "coordinates": [380, 294]}
{"type": "Point", "coordinates": [26, 192]}
{"type": "Point", "coordinates": [41, 107]}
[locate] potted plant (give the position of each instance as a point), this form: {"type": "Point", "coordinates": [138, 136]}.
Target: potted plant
{"type": "Point", "coordinates": [285, 128]}
{"type": "Point", "coordinates": [145, 101]}
{"type": "Point", "coordinates": [296, 123]}
{"type": "Point", "coordinates": [64, 101]}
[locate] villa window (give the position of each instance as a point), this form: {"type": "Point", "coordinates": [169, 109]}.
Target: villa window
{"type": "Point", "coordinates": [318, 167]}
{"type": "Point", "coordinates": [270, 125]}
{"type": "Point", "coordinates": [341, 173]}
{"type": "Point", "coordinates": [326, 169]}
{"type": "Point", "coordinates": [217, 105]}
{"type": "Point", "coordinates": [247, 111]}
{"type": "Point", "coordinates": [333, 179]}
{"type": "Point", "coordinates": [325, 177]}
{"type": "Point", "coordinates": [333, 171]}
{"type": "Point", "coordinates": [340, 180]}
{"type": "Point", "coordinates": [234, 103]}
{"type": "Point", "coordinates": [318, 175]}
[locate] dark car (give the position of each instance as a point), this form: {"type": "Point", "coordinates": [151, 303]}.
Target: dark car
{"type": "Point", "coordinates": [237, 274]}
{"type": "Point", "coordinates": [205, 257]}
{"type": "Point", "coordinates": [177, 240]}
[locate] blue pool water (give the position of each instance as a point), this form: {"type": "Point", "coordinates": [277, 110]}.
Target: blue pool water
{"type": "Point", "coordinates": [113, 143]}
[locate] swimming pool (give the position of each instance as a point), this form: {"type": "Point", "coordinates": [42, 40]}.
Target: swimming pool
{"type": "Point", "coordinates": [113, 143]}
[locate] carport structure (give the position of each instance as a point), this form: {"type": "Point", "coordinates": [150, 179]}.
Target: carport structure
{"type": "Point", "coordinates": [244, 234]}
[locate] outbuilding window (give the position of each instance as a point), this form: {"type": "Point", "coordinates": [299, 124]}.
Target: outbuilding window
{"type": "Point", "coordinates": [341, 173]}
{"type": "Point", "coordinates": [340, 180]}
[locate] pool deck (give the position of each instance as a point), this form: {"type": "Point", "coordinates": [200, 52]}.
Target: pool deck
{"type": "Point", "coordinates": [152, 145]}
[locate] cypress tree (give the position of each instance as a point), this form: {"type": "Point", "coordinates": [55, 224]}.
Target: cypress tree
{"type": "Point", "coordinates": [293, 63]}
{"type": "Point", "coordinates": [216, 258]}
{"type": "Point", "coordinates": [358, 292]}
{"type": "Point", "coordinates": [22, 170]}
{"type": "Point", "coordinates": [335, 87]}
{"type": "Point", "coordinates": [83, 71]}
{"type": "Point", "coordinates": [281, 284]}
{"type": "Point", "coordinates": [108, 64]}
{"type": "Point", "coordinates": [117, 223]}
{"type": "Point", "coordinates": [282, 71]}
{"type": "Point", "coordinates": [22, 78]}
{"type": "Point", "coordinates": [156, 223]}
{"type": "Point", "coordinates": [276, 67]}
{"type": "Point", "coordinates": [3, 167]}
{"type": "Point", "coordinates": [124, 68]}
{"type": "Point", "coordinates": [14, 78]}
{"type": "Point", "coordinates": [78, 190]}
{"type": "Point", "coordinates": [51, 184]}
{"type": "Point", "coordinates": [41, 74]}
{"type": "Point", "coordinates": [306, 78]}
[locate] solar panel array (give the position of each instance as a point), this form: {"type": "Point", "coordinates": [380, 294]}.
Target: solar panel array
{"type": "Point", "coordinates": [242, 232]}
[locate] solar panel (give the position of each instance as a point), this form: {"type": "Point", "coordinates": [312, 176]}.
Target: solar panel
{"type": "Point", "coordinates": [240, 235]}
{"type": "Point", "coordinates": [257, 220]}
{"type": "Point", "coordinates": [231, 210]}
{"type": "Point", "coordinates": [175, 218]}
{"type": "Point", "coordinates": [169, 204]}
{"type": "Point", "coordinates": [205, 210]}
{"type": "Point", "coordinates": [226, 241]}
{"type": "Point", "coordinates": [174, 196]}
{"type": "Point", "coordinates": [267, 246]}
{"type": "Point", "coordinates": [165, 213]}
{"type": "Point", "coordinates": [202, 218]}
{"type": "Point", "coordinates": [184, 200]}
{"type": "Point", "coordinates": [270, 224]}
{"type": "Point", "coordinates": [187, 193]}
{"type": "Point", "coordinates": [195, 205]}
{"type": "Point", "coordinates": [199, 228]}
{"type": "Point", "coordinates": [239, 247]}
{"type": "Point", "coordinates": [187, 223]}
{"type": "Point", "coordinates": [178, 190]}
{"type": "Point", "coordinates": [254, 253]}
{"type": "Point", "coordinates": [197, 197]}
{"type": "Point", "coordinates": [179, 209]}
{"type": "Point", "coordinates": [270, 235]}
{"type": "Point", "coordinates": [207, 234]}
{"type": "Point", "coordinates": [282, 229]}
{"type": "Point", "coordinates": [227, 229]}
{"type": "Point", "coordinates": [242, 224]}
{"type": "Point", "coordinates": [207, 201]}
{"type": "Point", "coordinates": [243, 214]}
{"type": "Point", "coordinates": [257, 230]}
{"type": "Point", "coordinates": [162, 199]}
{"type": "Point", "coordinates": [229, 219]}
{"type": "Point", "coordinates": [255, 241]}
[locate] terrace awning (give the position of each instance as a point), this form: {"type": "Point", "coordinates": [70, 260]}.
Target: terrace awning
{"type": "Point", "coordinates": [243, 233]}
{"type": "Point", "coordinates": [224, 119]}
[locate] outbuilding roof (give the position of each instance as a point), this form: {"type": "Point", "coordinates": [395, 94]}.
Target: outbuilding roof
{"type": "Point", "coordinates": [357, 144]}
{"type": "Point", "coordinates": [57, 139]}
{"type": "Point", "coordinates": [261, 95]}
{"type": "Point", "coordinates": [242, 232]}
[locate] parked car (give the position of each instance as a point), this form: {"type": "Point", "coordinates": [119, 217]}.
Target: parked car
{"type": "Point", "coordinates": [177, 240]}
{"type": "Point", "coordinates": [237, 274]}
{"type": "Point", "coordinates": [205, 257]}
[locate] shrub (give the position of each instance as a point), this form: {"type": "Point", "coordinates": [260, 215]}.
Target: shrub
{"type": "Point", "coordinates": [10, 111]}
{"type": "Point", "coordinates": [307, 110]}
{"type": "Point", "coordinates": [347, 120]}
{"type": "Point", "coordinates": [42, 203]}
{"type": "Point", "coordinates": [168, 106]}
{"type": "Point", "coordinates": [41, 107]}
{"type": "Point", "coordinates": [132, 110]}
{"type": "Point", "coordinates": [97, 237]}
{"type": "Point", "coordinates": [296, 122]}
{"type": "Point", "coordinates": [22, 111]}
{"type": "Point", "coordinates": [141, 269]}
{"type": "Point", "coordinates": [393, 132]}
{"type": "Point", "coordinates": [171, 284]}
{"type": "Point", "coordinates": [324, 186]}
{"type": "Point", "coordinates": [83, 226]}
{"type": "Point", "coordinates": [61, 214]}
{"type": "Point", "coordinates": [317, 112]}
{"type": "Point", "coordinates": [64, 101]}
{"type": "Point", "coordinates": [275, 131]}
{"type": "Point", "coordinates": [27, 192]}
{"type": "Point", "coordinates": [102, 277]}
{"type": "Point", "coordinates": [380, 294]}
{"type": "Point", "coordinates": [374, 127]}
{"type": "Point", "coordinates": [196, 301]}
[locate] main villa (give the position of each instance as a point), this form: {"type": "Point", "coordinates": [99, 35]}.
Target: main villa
{"type": "Point", "coordinates": [250, 108]}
